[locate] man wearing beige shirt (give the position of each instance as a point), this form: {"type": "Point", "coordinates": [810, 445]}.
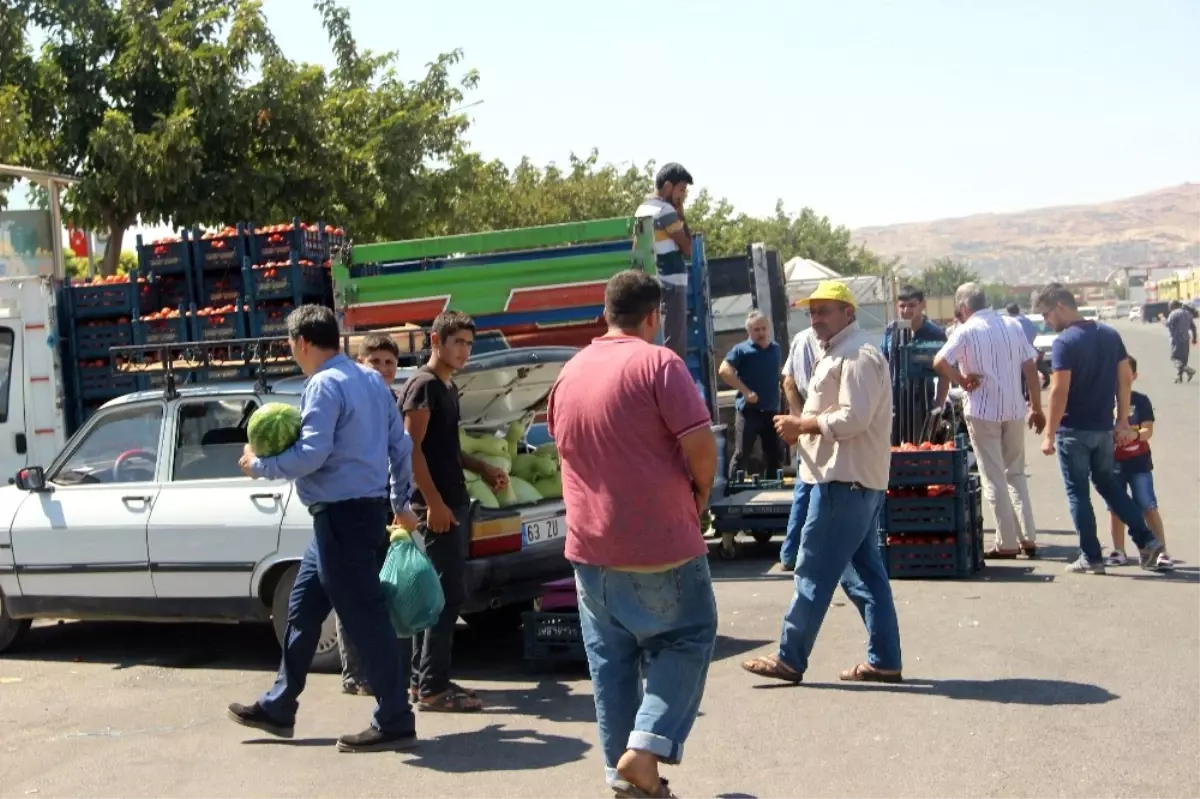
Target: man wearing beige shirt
{"type": "Point", "coordinates": [844, 441]}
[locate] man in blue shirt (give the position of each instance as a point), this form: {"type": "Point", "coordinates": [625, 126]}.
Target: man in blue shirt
{"type": "Point", "coordinates": [1024, 321]}
{"type": "Point", "coordinates": [752, 367]}
{"type": "Point", "coordinates": [1091, 375]}
{"type": "Point", "coordinates": [913, 400]}
{"type": "Point", "coordinates": [351, 462]}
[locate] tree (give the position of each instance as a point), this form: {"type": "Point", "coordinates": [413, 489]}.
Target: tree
{"type": "Point", "coordinates": [943, 277]}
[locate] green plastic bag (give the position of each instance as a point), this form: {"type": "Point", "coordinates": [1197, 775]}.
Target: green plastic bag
{"type": "Point", "coordinates": [410, 587]}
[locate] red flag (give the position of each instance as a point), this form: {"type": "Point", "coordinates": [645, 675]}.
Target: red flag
{"type": "Point", "coordinates": [79, 242]}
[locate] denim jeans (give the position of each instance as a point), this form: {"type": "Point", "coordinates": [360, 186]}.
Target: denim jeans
{"type": "Point", "coordinates": [432, 648]}
{"type": "Point", "coordinates": [840, 543]}
{"type": "Point", "coordinates": [649, 640]}
{"type": "Point", "coordinates": [796, 520]}
{"type": "Point", "coordinates": [340, 571]}
{"type": "Point", "coordinates": [1085, 455]}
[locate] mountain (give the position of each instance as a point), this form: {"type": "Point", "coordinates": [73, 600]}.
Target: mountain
{"type": "Point", "coordinates": [1083, 242]}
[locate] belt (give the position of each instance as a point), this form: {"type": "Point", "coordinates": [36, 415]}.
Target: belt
{"type": "Point", "coordinates": [322, 507]}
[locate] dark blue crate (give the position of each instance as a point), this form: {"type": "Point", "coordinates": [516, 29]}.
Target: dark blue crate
{"type": "Point", "coordinates": [955, 559]}
{"type": "Point", "coordinates": [279, 242]}
{"type": "Point", "coordinates": [94, 340]}
{"type": "Point", "coordinates": [161, 331]}
{"type": "Point", "coordinates": [553, 638]}
{"type": "Point", "coordinates": [220, 288]}
{"type": "Point", "coordinates": [270, 320]}
{"type": "Point", "coordinates": [929, 467]}
{"type": "Point", "coordinates": [173, 291]}
{"type": "Point", "coordinates": [220, 252]}
{"type": "Point", "coordinates": [218, 327]}
{"type": "Point", "coordinates": [165, 257]}
{"type": "Point", "coordinates": [100, 382]}
{"type": "Point", "coordinates": [944, 514]}
{"type": "Point", "coordinates": [294, 279]}
{"type": "Point", "coordinates": [107, 300]}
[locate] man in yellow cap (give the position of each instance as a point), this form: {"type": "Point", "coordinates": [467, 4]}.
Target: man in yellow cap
{"type": "Point", "coordinates": [843, 436]}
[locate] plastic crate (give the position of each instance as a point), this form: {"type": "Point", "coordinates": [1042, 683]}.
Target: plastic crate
{"type": "Point", "coordinates": [160, 331]}
{"type": "Point", "coordinates": [95, 339]}
{"type": "Point", "coordinates": [226, 250]}
{"type": "Point", "coordinates": [270, 320]}
{"type": "Point", "coordinates": [106, 300]}
{"type": "Point", "coordinates": [279, 242]}
{"type": "Point", "coordinates": [951, 556]}
{"type": "Point", "coordinates": [173, 291]}
{"type": "Point", "coordinates": [165, 257]}
{"type": "Point", "coordinates": [925, 514]}
{"type": "Point", "coordinates": [218, 326]}
{"type": "Point", "coordinates": [220, 288]}
{"type": "Point", "coordinates": [291, 279]}
{"type": "Point", "coordinates": [553, 638]}
{"type": "Point", "coordinates": [96, 380]}
{"type": "Point", "coordinates": [929, 467]}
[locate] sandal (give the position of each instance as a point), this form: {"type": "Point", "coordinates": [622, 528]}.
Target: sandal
{"type": "Point", "coordinates": [864, 672]}
{"type": "Point", "coordinates": [1000, 554]}
{"type": "Point", "coordinates": [627, 790]}
{"type": "Point", "coordinates": [450, 701]}
{"type": "Point", "coordinates": [414, 692]}
{"type": "Point", "coordinates": [774, 668]}
{"type": "Point", "coordinates": [1028, 549]}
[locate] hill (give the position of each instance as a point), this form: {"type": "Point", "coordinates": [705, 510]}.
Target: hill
{"type": "Point", "coordinates": [1079, 241]}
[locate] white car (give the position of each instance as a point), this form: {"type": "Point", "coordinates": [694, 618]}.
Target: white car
{"type": "Point", "coordinates": [145, 515]}
{"type": "Point", "coordinates": [1135, 313]}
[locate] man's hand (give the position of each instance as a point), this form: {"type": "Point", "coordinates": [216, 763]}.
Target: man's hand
{"type": "Point", "coordinates": [1123, 432]}
{"type": "Point", "coordinates": [790, 428]}
{"type": "Point", "coordinates": [701, 498]}
{"type": "Point", "coordinates": [246, 461]}
{"type": "Point", "coordinates": [971, 382]}
{"type": "Point", "coordinates": [1048, 447]}
{"type": "Point", "coordinates": [495, 477]}
{"type": "Point", "coordinates": [440, 518]}
{"type": "Point", "coordinates": [1036, 420]}
{"type": "Point", "coordinates": [751, 398]}
{"type": "Point", "coordinates": [406, 519]}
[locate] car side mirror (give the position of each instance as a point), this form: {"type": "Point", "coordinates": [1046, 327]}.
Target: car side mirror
{"type": "Point", "coordinates": [31, 478]}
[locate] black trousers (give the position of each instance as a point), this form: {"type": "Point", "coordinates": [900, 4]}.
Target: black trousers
{"type": "Point", "coordinates": [756, 425]}
{"type": "Point", "coordinates": [432, 648]}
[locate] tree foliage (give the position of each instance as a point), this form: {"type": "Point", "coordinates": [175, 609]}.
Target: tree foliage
{"type": "Point", "coordinates": [943, 277]}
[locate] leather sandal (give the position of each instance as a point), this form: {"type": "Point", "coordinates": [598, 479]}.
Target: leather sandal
{"type": "Point", "coordinates": [774, 668]}
{"type": "Point", "coordinates": [864, 672]}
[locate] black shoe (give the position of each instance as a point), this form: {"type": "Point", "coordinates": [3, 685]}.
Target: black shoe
{"type": "Point", "coordinates": [254, 716]}
{"type": "Point", "coordinates": [787, 567]}
{"type": "Point", "coordinates": [373, 740]}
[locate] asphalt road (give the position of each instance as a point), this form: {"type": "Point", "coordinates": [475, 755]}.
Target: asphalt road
{"type": "Point", "coordinates": [1025, 681]}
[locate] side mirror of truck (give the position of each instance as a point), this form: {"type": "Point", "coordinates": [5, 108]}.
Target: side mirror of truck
{"type": "Point", "coordinates": [31, 478]}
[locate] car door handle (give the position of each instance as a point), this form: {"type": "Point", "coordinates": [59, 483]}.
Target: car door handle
{"type": "Point", "coordinates": [275, 495]}
{"type": "Point", "coordinates": [134, 498]}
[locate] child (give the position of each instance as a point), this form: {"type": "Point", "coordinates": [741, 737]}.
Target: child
{"type": "Point", "coordinates": [381, 354]}
{"type": "Point", "coordinates": [1134, 470]}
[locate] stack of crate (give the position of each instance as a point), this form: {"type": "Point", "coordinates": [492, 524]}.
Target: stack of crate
{"type": "Point", "coordinates": [288, 265]}
{"type": "Point", "coordinates": [932, 523]}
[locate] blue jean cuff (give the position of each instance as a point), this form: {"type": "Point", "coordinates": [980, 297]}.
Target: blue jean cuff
{"type": "Point", "coordinates": [666, 750]}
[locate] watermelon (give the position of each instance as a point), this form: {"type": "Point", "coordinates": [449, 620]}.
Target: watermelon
{"type": "Point", "coordinates": [273, 428]}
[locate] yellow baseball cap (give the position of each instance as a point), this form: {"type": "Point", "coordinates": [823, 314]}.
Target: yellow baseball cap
{"type": "Point", "coordinates": [829, 290]}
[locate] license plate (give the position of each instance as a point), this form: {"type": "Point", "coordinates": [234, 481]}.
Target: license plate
{"type": "Point", "coordinates": [539, 532]}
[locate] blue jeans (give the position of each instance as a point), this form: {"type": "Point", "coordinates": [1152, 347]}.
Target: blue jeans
{"type": "Point", "coordinates": [660, 628]}
{"type": "Point", "coordinates": [796, 520]}
{"type": "Point", "coordinates": [1085, 455]}
{"type": "Point", "coordinates": [340, 571]}
{"type": "Point", "coordinates": [1139, 485]}
{"type": "Point", "coordinates": [840, 543]}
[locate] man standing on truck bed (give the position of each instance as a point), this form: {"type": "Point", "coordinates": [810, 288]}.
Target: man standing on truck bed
{"type": "Point", "coordinates": [351, 440]}
{"type": "Point", "coordinates": [431, 416]}
{"type": "Point", "coordinates": [638, 462]}
{"type": "Point", "coordinates": [752, 367]}
{"type": "Point", "coordinates": [672, 244]}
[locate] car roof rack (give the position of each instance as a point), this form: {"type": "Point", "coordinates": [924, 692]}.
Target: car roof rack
{"type": "Point", "coordinates": [261, 355]}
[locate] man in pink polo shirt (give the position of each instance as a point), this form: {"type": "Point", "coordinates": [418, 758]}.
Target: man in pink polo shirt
{"type": "Point", "coordinates": [638, 462]}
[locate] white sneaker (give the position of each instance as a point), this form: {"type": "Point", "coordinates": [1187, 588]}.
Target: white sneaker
{"type": "Point", "coordinates": [1164, 561]}
{"type": "Point", "coordinates": [1116, 558]}
{"type": "Point", "coordinates": [1083, 566]}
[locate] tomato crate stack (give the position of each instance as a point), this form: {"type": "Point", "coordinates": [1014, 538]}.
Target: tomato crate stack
{"type": "Point", "coordinates": [932, 522]}
{"type": "Point", "coordinates": [288, 265]}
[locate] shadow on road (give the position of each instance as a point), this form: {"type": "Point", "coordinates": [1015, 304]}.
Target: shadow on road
{"type": "Point", "coordinates": [497, 748]}
{"type": "Point", "coordinates": [1008, 691]}
{"type": "Point", "coordinates": [1181, 574]}
{"type": "Point", "coordinates": [996, 573]}
{"type": "Point", "coordinates": [549, 700]}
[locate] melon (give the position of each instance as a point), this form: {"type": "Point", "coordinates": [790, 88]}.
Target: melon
{"type": "Point", "coordinates": [273, 428]}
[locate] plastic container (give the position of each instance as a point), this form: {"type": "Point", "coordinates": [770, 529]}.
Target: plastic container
{"type": "Point", "coordinates": [95, 339]}
{"type": "Point", "coordinates": [211, 325]}
{"type": "Point", "coordinates": [171, 256]}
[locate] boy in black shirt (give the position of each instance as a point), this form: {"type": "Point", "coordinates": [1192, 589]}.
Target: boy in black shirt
{"type": "Point", "coordinates": [1135, 476]}
{"type": "Point", "coordinates": [431, 416]}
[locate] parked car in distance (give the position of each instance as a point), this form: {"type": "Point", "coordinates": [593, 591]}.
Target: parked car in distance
{"type": "Point", "coordinates": [1135, 313]}
{"type": "Point", "coordinates": [1043, 342]}
{"type": "Point", "coordinates": [1089, 312]}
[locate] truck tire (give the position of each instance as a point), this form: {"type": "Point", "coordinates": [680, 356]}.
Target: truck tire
{"type": "Point", "coordinates": [497, 622]}
{"type": "Point", "coordinates": [11, 630]}
{"type": "Point", "coordinates": [327, 660]}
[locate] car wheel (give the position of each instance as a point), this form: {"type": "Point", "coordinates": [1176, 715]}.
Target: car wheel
{"type": "Point", "coordinates": [328, 659]}
{"type": "Point", "coordinates": [498, 622]}
{"type": "Point", "coordinates": [11, 630]}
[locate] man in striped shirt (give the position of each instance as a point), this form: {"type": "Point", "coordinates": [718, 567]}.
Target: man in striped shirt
{"type": "Point", "coordinates": [987, 355]}
{"type": "Point", "coordinates": [672, 244]}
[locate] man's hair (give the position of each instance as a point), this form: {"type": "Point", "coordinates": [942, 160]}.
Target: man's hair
{"type": "Point", "coordinates": [672, 173]}
{"type": "Point", "coordinates": [910, 293]}
{"type": "Point", "coordinates": [317, 325]}
{"type": "Point", "coordinates": [629, 298]}
{"type": "Point", "coordinates": [1052, 295]}
{"type": "Point", "coordinates": [448, 323]}
{"type": "Point", "coordinates": [374, 342]}
{"type": "Point", "coordinates": [753, 317]}
{"type": "Point", "coordinates": [1133, 364]}
{"type": "Point", "coordinates": [972, 296]}
{"type": "Point", "coordinates": [1013, 309]}
{"type": "Point", "coordinates": [1174, 305]}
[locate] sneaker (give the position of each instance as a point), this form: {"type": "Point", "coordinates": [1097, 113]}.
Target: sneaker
{"type": "Point", "coordinates": [357, 689]}
{"type": "Point", "coordinates": [1083, 566]}
{"type": "Point", "coordinates": [373, 740]}
{"type": "Point", "coordinates": [1152, 559]}
{"type": "Point", "coordinates": [1116, 558]}
{"type": "Point", "coordinates": [254, 716]}
{"type": "Point", "coordinates": [1164, 561]}
{"type": "Point", "coordinates": [1190, 374]}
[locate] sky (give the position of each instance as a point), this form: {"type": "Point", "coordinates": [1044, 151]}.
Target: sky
{"type": "Point", "coordinates": [870, 112]}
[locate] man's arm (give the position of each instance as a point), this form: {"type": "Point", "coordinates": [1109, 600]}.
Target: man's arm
{"type": "Point", "coordinates": [675, 226]}
{"type": "Point", "coordinates": [795, 400]}
{"type": "Point", "coordinates": [321, 406]}
{"type": "Point", "coordinates": [685, 417]}
{"type": "Point", "coordinates": [700, 452]}
{"type": "Point", "coordinates": [1124, 388]}
{"type": "Point", "coordinates": [400, 472]}
{"type": "Point", "coordinates": [729, 374]}
{"type": "Point", "coordinates": [1033, 383]}
{"type": "Point", "coordinates": [944, 363]}
{"type": "Point", "coordinates": [1060, 385]}
{"type": "Point", "coordinates": [864, 384]}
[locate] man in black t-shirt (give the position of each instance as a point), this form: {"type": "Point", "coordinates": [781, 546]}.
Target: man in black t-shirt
{"type": "Point", "coordinates": [431, 415]}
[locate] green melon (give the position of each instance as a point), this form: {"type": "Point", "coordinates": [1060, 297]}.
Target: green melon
{"type": "Point", "coordinates": [273, 428]}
